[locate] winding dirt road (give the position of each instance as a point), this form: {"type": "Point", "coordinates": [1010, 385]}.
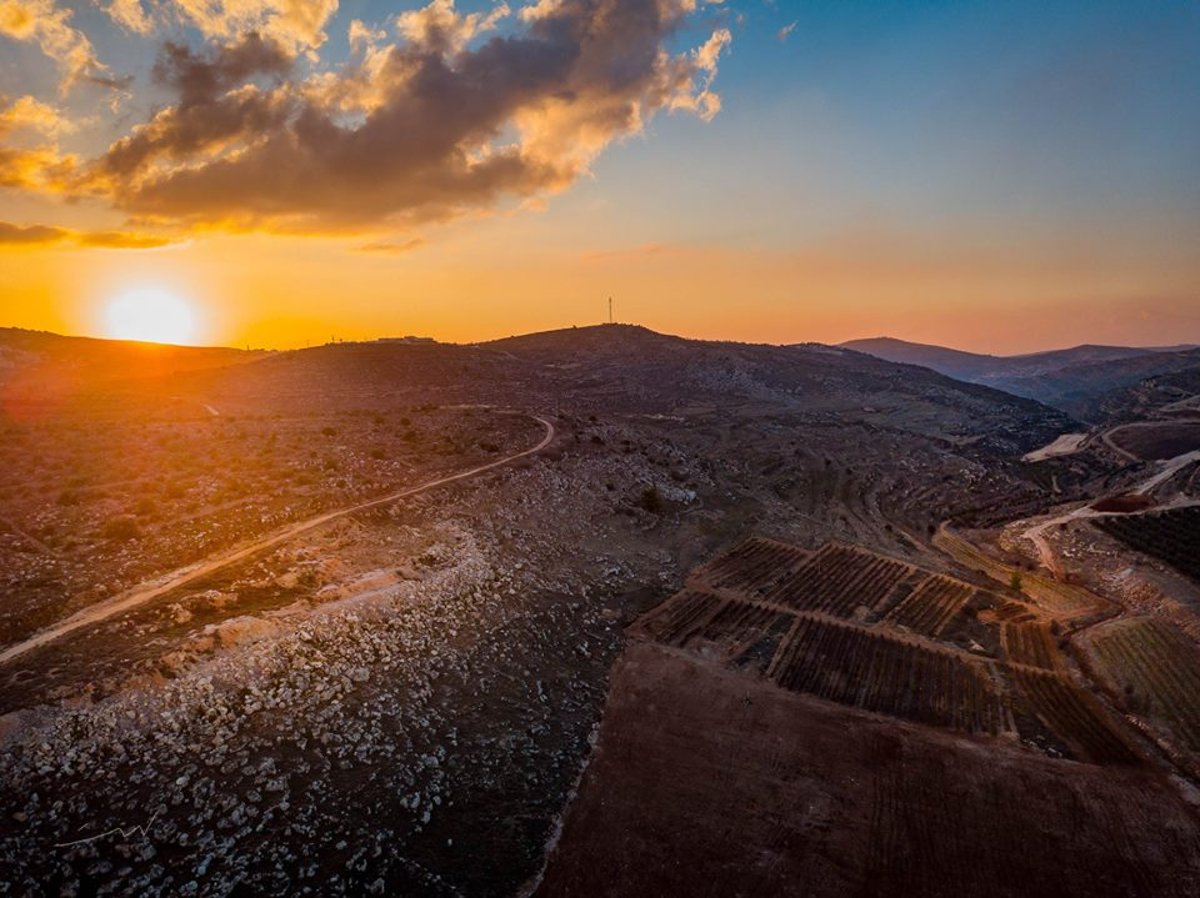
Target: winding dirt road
{"type": "Point", "coordinates": [145, 592]}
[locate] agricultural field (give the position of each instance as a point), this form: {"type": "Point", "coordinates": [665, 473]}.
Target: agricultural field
{"type": "Point", "coordinates": [1032, 643]}
{"type": "Point", "coordinates": [876, 672]}
{"type": "Point", "coordinates": [839, 580]}
{"type": "Point", "coordinates": [705, 782]}
{"type": "Point", "coordinates": [753, 567]}
{"type": "Point", "coordinates": [931, 606]}
{"type": "Point", "coordinates": [1073, 715]}
{"type": "Point", "coordinates": [1158, 440]}
{"type": "Point", "coordinates": [853, 627]}
{"type": "Point", "coordinates": [1171, 536]}
{"type": "Point", "coordinates": [1155, 669]}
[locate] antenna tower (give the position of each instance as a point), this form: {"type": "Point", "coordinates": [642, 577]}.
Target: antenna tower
{"type": "Point", "coordinates": [610, 317]}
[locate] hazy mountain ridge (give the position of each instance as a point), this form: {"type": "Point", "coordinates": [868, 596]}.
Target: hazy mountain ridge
{"type": "Point", "coordinates": [1071, 380]}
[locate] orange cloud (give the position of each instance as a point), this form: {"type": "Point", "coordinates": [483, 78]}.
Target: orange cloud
{"type": "Point", "coordinates": [45, 24]}
{"type": "Point", "coordinates": [429, 128]}
{"type": "Point", "coordinates": [393, 249]}
{"type": "Point", "coordinates": [28, 235]}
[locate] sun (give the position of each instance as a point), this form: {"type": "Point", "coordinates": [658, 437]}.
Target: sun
{"type": "Point", "coordinates": [154, 316]}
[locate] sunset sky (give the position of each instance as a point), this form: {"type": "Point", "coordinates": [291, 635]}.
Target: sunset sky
{"type": "Point", "coordinates": [999, 176]}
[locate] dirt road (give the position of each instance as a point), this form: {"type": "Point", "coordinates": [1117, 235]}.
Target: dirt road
{"type": "Point", "coordinates": [147, 591]}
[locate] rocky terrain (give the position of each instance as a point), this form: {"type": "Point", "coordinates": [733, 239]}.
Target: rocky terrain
{"type": "Point", "coordinates": [400, 700]}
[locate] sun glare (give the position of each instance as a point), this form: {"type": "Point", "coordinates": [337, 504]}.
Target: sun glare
{"type": "Point", "coordinates": [155, 316]}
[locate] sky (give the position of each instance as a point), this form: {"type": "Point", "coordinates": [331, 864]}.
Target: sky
{"type": "Point", "coordinates": [997, 176]}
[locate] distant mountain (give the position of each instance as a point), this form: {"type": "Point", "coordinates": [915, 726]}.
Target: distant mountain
{"type": "Point", "coordinates": [1071, 380]}
{"type": "Point", "coordinates": [1174, 395]}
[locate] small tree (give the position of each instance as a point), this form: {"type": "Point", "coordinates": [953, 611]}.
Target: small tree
{"type": "Point", "coordinates": [1014, 582]}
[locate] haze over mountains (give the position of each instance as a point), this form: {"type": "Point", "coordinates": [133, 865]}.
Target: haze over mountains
{"type": "Point", "coordinates": [1078, 380]}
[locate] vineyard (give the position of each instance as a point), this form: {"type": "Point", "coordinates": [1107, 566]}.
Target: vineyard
{"type": "Point", "coordinates": [1074, 716]}
{"type": "Point", "coordinates": [878, 673]}
{"type": "Point", "coordinates": [931, 606]}
{"type": "Point", "coordinates": [923, 647]}
{"type": "Point", "coordinates": [1033, 644]}
{"type": "Point", "coordinates": [1170, 536]}
{"type": "Point", "coordinates": [1158, 669]}
{"type": "Point", "coordinates": [752, 567]}
{"type": "Point", "coordinates": [681, 616]}
{"type": "Point", "coordinates": [837, 580]}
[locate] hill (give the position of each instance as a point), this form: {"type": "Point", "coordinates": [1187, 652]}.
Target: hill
{"type": "Point", "coordinates": [1067, 379]}
{"type": "Point", "coordinates": [37, 367]}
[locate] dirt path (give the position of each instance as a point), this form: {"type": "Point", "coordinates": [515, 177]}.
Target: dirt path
{"type": "Point", "coordinates": [1035, 533]}
{"type": "Point", "coordinates": [147, 591]}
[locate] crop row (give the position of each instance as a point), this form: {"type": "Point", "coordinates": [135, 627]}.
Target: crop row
{"type": "Point", "coordinates": [928, 609]}
{"type": "Point", "coordinates": [676, 619]}
{"type": "Point", "coordinates": [888, 676]}
{"type": "Point", "coordinates": [1160, 669]}
{"type": "Point", "coordinates": [752, 566]}
{"type": "Point", "coordinates": [1032, 643]}
{"type": "Point", "coordinates": [1074, 716]}
{"type": "Point", "coordinates": [837, 580]}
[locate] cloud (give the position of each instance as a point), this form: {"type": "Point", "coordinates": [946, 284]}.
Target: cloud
{"type": "Point", "coordinates": [43, 23]}
{"type": "Point", "coordinates": [45, 235]}
{"type": "Point", "coordinates": [217, 107]}
{"type": "Point", "coordinates": [40, 167]}
{"type": "Point", "coordinates": [786, 31]}
{"type": "Point", "coordinates": [298, 24]}
{"type": "Point", "coordinates": [426, 128]}
{"type": "Point", "coordinates": [440, 27]}
{"type": "Point", "coordinates": [393, 249]}
{"type": "Point", "coordinates": [131, 15]}
{"type": "Point", "coordinates": [121, 240]}
{"type": "Point", "coordinates": [26, 234]}
{"type": "Point", "coordinates": [31, 114]}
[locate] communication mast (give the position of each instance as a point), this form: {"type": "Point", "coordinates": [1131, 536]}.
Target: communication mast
{"type": "Point", "coordinates": [610, 317]}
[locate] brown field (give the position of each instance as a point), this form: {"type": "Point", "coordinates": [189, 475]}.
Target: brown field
{"type": "Point", "coordinates": [1158, 440]}
{"type": "Point", "coordinates": [706, 782]}
{"type": "Point", "coordinates": [751, 567]}
{"type": "Point", "coordinates": [1127, 503]}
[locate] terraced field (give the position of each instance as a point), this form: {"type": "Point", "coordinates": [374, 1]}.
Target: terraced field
{"type": "Point", "coordinates": [1075, 716]}
{"type": "Point", "coordinates": [1157, 670]}
{"type": "Point", "coordinates": [854, 627]}
{"type": "Point", "coordinates": [838, 580]}
{"type": "Point", "coordinates": [931, 606]}
{"type": "Point", "coordinates": [751, 567]}
{"type": "Point", "coordinates": [1032, 643]}
{"type": "Point", "coordinates": [875, 672]}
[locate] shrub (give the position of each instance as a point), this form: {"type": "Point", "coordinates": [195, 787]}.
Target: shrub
{"type": "Point", "coordinates": [651, 500]}
{"type": "Point", "coordinates": [121, 528]}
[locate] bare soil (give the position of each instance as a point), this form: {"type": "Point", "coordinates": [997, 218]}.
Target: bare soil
{"type": "Point", "coordinates": [707, 781]}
